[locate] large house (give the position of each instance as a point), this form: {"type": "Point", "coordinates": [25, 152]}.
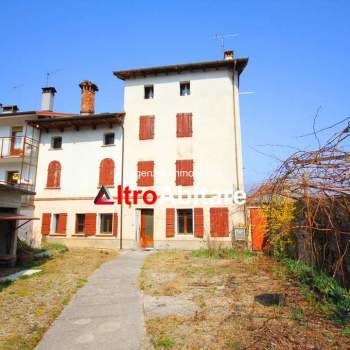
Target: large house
{"type": "Point", "coordinates": [178, 137]}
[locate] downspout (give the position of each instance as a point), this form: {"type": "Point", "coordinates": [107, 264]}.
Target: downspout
{"type": "Point", "coordinates": [122, 184]}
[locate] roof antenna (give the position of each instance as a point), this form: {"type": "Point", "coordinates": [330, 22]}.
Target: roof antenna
{"type": "Point", "coordinates": [48, 75]}
{"type": "Point", "coordinates": [221, 38]}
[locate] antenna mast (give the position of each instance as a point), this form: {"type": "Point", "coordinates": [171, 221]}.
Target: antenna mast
{"type": "Point", "coordinates": [221, 39]}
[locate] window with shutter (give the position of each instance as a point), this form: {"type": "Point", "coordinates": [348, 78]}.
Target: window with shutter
{"type": "Point", "coordinates": [198, 222]}
{"type": "Point", "coordinates": [146, 127]}
{"type": "Point", "coordinates": [145, 173]}
{"type": "Point", "coordinates": [219, 222]}
{"type": "Point", "coordinates": [61, 224]}
{"type": "Point", "coordinates": [54, 175]}
{"type": "Point", "coordinates": [90, 224]}
{"type": "Point", "coordinates": [46, 224]}
{"type": "Point", "coordinates": [115, 224]}
{"type": "Point", "coordinates": [170, 222]}
{"type": "Point", "coordinates": [107, 172]}
{"type": "Point", "coordinates": [184, 125]}
{"type": "Point", "coordinates": [184, 172]}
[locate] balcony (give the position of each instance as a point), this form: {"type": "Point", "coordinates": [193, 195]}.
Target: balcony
{"type": "Point", "coordinates": [18, 147]}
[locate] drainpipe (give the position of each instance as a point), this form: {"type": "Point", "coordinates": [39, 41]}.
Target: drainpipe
{"type": "Point", "coordinates": [122, 184]}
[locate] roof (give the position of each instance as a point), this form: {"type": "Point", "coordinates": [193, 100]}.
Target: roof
{"type": "Point", "coordinates": [79, 120]}
{"type": "Point", "coordinates": [238, 63]}
{"type": "Point", "coordinates": [14, 217]}
{"type": "Point", "coordinates": [13, 188]}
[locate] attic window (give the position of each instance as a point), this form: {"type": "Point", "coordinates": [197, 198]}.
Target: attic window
{"type": "Point", "coordinates": [149, 91]}
{"type": "Point", "coordinates": [185, 89]}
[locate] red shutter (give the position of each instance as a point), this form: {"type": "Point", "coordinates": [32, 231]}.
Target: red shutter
{"type": "Point", "coordinates": [145, 173]}
{"type": "Point", "coordinates": [146, 127]}
{"type": "Point", "coordinates": [170, 222]}
{"type": "Point", "coordinates": [115, 224]}
{"type": "Point", "coordinates": [184, 125]}
{"type": "Point", "coordinates": [90, 224]}
{"type": "Point", "coordinates": [184, 172]}
{"type": "Point", "coordinates": [198, 222]}
{"type": "Point", "coordinates": [219, 222]}
{"type": "Point", "coordinates": [54, 175]}
{"type": "Point", "coordinates": [62, 224]}
{"type": "Point", "coordinates": [106, 172]}
{"type": "Point", "coordinates": [45, 224]}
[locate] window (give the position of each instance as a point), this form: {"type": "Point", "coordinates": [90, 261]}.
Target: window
{"type": "Point", "coordinates": [185, 221]}
{"type": "Point", "coordinates": [106, 223]}
{"type": "Point", "coordinates": [59, 223]}
{"type": "Point", "coordinates": [13, 177]}
{"type": "Point", "coordinates": [184, 172]}
{"type": "Point", "coordinates": [145, 173]}
{"type": "Point", "coordinates": [149, 91]}
{"type": "Point", "coordinates": [108, 139]}
{"type": "Point", "coordinates": [184, 125]}
{"type": "Point", "coordinates": [56, 142]}
{"type": "Point", "coordinates": [185, 89]}
{"type": "Point", "coordinates": [55, 223]}
{"type": "Point", "coordinates": [146, 130]}
{"type": "Point", "coordinates": [54, 175]}
{"type": "Point", "coordinates": [106, 172]}
{"type": "Point", "coordinates": [219, 222]}
{"type": "Point", "coordinates": [80, 223]}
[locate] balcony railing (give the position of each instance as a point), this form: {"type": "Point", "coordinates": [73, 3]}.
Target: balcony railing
{"type": "Point", "coordinates": [18, 146]}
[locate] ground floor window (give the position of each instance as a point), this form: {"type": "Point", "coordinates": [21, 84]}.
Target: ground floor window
{"type": "Point", "coordinates": [106, 223]}
{"type": "Point", "coordinates": [80, 223]}
{"type": "Point", "coordinates": [185, 221]}
{"type": "Point", "coordinates": [55, 219]}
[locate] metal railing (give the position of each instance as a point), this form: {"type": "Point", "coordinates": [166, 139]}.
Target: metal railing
{"type": "Point", "coordinates": [17, 146]}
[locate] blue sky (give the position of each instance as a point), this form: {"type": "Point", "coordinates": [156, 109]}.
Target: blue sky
{"type": "Point", "coordinates": [298, 51]}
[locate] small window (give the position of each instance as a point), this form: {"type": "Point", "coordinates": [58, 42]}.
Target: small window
{"type": "Point", "coordinates": [13, 177]}
{"type": "Point", "coordinates": [185, 89]}
{"type": "Point", "coordinates": [149, 93]}
{"type": "Point", "coordinates": [56, 142]}
{"type": "Point", "coordinates": [55, 223]}
{"type": "Point", "coordinates": [80, 223]}
{"type": "Point", "coordinates": [185, 221]}
{"type": "Point", "coordinates": [108, 139]}
{"type": "Point", "coordinates": [106, 223]}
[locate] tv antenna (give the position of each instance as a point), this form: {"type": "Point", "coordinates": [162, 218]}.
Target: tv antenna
{"type": "Point", "coordinates": [221, 39]}
{"type": "Point", "coordinates": [48, 75]}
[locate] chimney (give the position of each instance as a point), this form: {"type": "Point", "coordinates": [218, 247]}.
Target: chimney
{"type": "Point", "coordinates": [228, 55]}
{"type": "Point", "coordinates": [47, 98]}
{"type": "Point", "coordinates": [88, 90]}
{"type": "Point", "coordinates": [9, 109]}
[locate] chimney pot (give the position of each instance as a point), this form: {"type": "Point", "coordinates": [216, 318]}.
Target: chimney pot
{"type": "Point", "coordinates": [88, 90]}
{"type": "Point", "coordinates": [228, 55]}
{"type": "Point", "coordinates": [47, 98]}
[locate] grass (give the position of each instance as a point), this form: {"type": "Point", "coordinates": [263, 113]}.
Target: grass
{"type": "Point", "coordinates": [166, 343]}
{"type": "Point", "coordinates": [223, 253]}
{"type": "Point", "coordinates": [28, 306]}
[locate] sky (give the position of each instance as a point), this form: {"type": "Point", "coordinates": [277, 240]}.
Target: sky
{"type": "Point", "coordinates": [298, 59]}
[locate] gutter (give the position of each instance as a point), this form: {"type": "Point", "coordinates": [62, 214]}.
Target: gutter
{"type": "Point", "coordinates": [122, 184]}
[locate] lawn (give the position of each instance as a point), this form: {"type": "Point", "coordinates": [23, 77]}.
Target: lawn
{"type": "Point", "coordinates": [29, 305]}
{"type": "Point", "coordinates": [227, 315]}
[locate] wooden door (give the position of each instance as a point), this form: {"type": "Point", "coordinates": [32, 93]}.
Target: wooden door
{"type": "Point", "coordinates": [146, 228]}
{"type": "Point", "coordinates": [16, 148]}
{"type": "Point", "coordinates": [258, 227]}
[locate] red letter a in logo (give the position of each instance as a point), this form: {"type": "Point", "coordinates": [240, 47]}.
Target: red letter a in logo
{"type": "Point", "coordinates": [103, 197]}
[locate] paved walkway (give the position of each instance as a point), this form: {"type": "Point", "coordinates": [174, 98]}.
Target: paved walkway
{"type": "Point", "coordinates": [105, 314]}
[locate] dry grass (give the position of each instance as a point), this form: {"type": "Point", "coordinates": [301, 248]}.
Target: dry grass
{"type": "Point", "coordinates": [227, 316]}
{"type": "Point", "coordinates": [29, 305]}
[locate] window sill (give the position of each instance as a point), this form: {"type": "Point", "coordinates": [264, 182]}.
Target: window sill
{"type": "Point", "coordinates": [106, 186]}
{"type": "Point", "coordinates": [55, 149]}
{"type": "Point", "coordinates": [112, 145]}
{"type": "Point", "coordinates": [57, 235]}
{"type": "Point", "coordinates": [78, 235]}
{"type": "Point", "coordinates": [104, 235]}
{"type": "Point", "coordinates": [52, 188]}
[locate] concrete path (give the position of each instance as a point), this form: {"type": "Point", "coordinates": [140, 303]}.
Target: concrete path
{"type": "Point", "coordinates": [105, 314]}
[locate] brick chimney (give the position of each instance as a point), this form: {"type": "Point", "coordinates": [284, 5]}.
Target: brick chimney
{"type": "Point", "coordinates": [88, 90]}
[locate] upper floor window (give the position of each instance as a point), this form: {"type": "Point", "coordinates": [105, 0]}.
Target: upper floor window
{"type": "Point", "coordinates": [185, 88]}
{"type": "Point", "coordinates": [184, 125]}
{"type": "Point", "coordinates": [146, 131]}
{"type": "Point", "coordinates": [54, 175]}
{"type": "Point", "coordinates": [56, 142]}
{"type": "Point", "coordinates": [149, 91]}
{"type": "Point", "coordinates": [108, 139]}
{"type": "Point", "coordinates": [106, 172]}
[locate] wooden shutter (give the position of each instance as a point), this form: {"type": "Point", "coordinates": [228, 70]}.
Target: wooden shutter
{"type": "Point", "coordinates": [146, 131]}
{"type": "Point", "coordinates": [184, 125]}
{"type": "Point", "coordinates": [170, 222]}
{"type": "Point", "coordinates": [46, 224]}
{"type": "Point", "coordinates": [184, 172]}
{"type": "Point", "coordinates": [219, 222]}
{"type": "Point", "coordinates": [145, 173]}
{"type": "Point", "coordinates": [106, 172]}
{"type": "Point", "coordinates": [62, 224]}
{"type": "Point", "coordinates": [115, 224]}
{"type": "Point", "coordinates": [54, 175]}
{"type": "Point", "coordinates": [90, 224]}
{"type": "Point", "coordinates": [198, 222]}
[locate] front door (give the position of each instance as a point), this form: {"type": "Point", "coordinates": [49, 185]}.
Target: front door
{"type": "Point", "coordinates": [146, 229]}
{"type": "Point", "coordinates": [16, 148]}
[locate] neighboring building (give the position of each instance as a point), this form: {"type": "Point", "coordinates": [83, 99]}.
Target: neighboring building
{"type": "Point", "coordinates": [182, 132]}
{"type": "Point", "coordinates": [78, 154]}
